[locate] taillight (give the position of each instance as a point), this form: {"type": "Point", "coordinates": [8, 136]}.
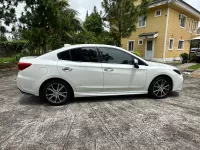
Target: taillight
{"type": "Point", "coordinates": [22, 66]}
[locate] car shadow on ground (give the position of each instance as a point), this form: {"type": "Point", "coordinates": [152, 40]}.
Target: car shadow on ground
{"type": "Point", "coordinates": [33, 100]}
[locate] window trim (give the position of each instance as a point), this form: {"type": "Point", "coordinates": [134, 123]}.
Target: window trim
{"type": "Point", "coordinates": [139, 42]}
{"type": "Point", "coordinates": [144, 23]}
{"type": "Point", "coordinates": [182, 46]}
{"type": "Point", "coordinates": [160, 13]}
{"type": "Point", "coordinates": [133, 45]}
{"type": "Point", "coordinates": [185, 21]}
{"type": "Point", "coordinates": [172, 44]}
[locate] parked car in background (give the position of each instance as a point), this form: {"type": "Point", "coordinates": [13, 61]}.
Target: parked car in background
{"type": "Point", "coordinates": [193, 50]}
{"type": "Point", "coordinates": [94, 70]}
{"type": "Point", "coordinates": [198, 55]}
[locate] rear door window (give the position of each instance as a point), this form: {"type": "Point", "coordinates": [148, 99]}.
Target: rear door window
{"type": "Point", "coordinates": [64, 55]}
{"type": "Point", "coordinates": [84, 55]}
{"type": "Point", "coordinates": [79, 55]}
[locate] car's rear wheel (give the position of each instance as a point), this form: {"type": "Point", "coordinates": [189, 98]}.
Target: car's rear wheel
{"type": "Point", "coordinates": [160, 87]}
{"type": "Point", "coordinates": [57, 92]}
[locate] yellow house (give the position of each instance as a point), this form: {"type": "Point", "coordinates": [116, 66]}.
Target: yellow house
{"type": "Point", "coordinates": [161, 35]}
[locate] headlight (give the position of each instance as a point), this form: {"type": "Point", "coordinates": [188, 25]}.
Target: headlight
{"type": "Point", "coordinates": [177, 71]}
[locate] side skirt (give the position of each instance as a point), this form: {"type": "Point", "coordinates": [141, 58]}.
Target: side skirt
{"type": "Point", "coordinates": [78, 94]}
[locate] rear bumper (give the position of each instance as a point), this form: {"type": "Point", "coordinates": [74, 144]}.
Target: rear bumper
{"type": "Point", "coordinates": [24, 92]}
{"type": "Point", "coordinates": [25, 85]}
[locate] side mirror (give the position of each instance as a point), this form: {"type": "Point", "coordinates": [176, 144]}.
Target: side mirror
{"type": "Point", "coordinates": [135, 61]}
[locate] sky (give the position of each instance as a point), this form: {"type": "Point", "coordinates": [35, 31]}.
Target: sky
{"type": "Point", "coordinates": [83, 5]}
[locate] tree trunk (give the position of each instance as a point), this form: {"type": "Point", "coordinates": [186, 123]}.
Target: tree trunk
{"type": "Point", "coordinates": [45, 49]}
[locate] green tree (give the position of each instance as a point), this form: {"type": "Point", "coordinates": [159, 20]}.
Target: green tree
{"type": "Point", "coordinates": [7, 13]}
{"type": "Point", "coordinates": [3, 38]}
{"type": "Point", "coordinates": [94, 32]}
{"type": "Point", "coordinates": [47, 22]}
{"type": "Point", "coordinates": [122, 16]}
{"type": "Point", "coordinates": [93, 22]}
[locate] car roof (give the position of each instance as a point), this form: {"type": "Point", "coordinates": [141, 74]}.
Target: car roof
{"type": "Point", "coordinates": [87, 45]}
{"type": "Point", "coordinates": [52, 53]}
{"type": "Point", "coordinates": [84, 45]}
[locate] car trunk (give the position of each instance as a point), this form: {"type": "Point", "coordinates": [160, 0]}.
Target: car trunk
{"type": "Point", "coordinates": [27, 59]}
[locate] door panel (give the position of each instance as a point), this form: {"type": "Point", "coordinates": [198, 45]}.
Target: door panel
{"type": "Point", "coordinates": [116, 77]}
{"type": "Point", "coordinates": [81, 67]}
{"type": "Point", "coordinates": [149, 49]}
{"type": "Point", "coordinates": [117, 68]}
{"type": "Point", "coordinates": [86, 77]}
{"type": "Point", "coordinates": [138, 78]}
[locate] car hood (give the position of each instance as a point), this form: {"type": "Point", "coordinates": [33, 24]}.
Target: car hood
{"type": "Point", "coordinates": [154, 64]}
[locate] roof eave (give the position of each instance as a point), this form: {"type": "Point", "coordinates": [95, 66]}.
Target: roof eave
{"type": "Point", "coordinates": [187, 7]}
{"type": "Point", "coordinates": [179, 3]}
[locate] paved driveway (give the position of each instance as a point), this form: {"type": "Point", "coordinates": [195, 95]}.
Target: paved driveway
{"type": "Point", "coordinates": [106, 123]}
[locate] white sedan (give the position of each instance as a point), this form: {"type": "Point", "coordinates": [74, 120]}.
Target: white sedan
{"type": "Point", "coordinates": [94, 70]}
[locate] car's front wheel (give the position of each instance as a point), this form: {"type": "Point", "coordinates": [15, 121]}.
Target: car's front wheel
{"type": "Point", "coordinates": [57, 92]}
{"type": "Point", "coordinates": [160, 87]}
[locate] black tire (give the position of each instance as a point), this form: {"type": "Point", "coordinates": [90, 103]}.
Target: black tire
{"type": "Point", "coordinates": [160, 92]}
{"type": "Point", "coordinates": [57, 96]}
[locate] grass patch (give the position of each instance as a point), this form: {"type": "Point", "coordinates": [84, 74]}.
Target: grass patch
{"type": "Point", "coordinates": [8, 66]}
{"type": "Point", "coordinates": [195, 67]}
{"type": "Point", "coordinates": [6, 60]}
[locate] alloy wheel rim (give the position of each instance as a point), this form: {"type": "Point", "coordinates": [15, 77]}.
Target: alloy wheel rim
{"type": "Point", "coordinates": [161, 88]}
{"type": "Point", "coordinates": [56, 93]}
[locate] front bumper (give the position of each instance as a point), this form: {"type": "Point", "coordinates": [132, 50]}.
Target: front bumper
{"type": "Point", "coordinates": [178, 83]}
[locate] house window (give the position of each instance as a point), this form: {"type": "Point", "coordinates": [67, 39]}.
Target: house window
{"type": "Point", "coordinates": [195, 26]}
{"type": "Point", "coordinates": [131, 45]}
{"type": "Point", "coordinates": [142, 21]}
{"type": "Point", "coordinates": [140, 42]}
{"type": "Point", "coordinates": [189, 26]}
{"type": "Point", "coordinates": [171, 44]}
{"type": "Point", "coordinates": [157, 13]}
{"type": "Point", "coordinates": [180, 44]}
{"type": "Point", "coordinates": [192, 28]}
{"type": "Point", "coordinates": [182, 20]}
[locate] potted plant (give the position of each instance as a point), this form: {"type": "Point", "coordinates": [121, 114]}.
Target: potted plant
{"type": "Point", "coordinates": [184, 57]}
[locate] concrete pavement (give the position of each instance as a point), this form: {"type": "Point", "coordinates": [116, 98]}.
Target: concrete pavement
{"type": "Point", "coordinates": [103, 123]}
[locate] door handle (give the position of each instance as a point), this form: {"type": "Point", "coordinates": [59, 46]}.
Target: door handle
{"type": "Point", "coordinates": [67, 69]}
{"type": "Point", "coordinates": [108, 69]}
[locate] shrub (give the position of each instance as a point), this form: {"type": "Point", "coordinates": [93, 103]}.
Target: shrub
{"type": "Point", "coordinates": [184, 56]}
{"type": "Point", "coordinates": [14, 58]}
{"type": "Point", "coordinates": [7, 60]}
{"type": "Point", "coordinates": [14, 47]}
{"type": "Point", "coordinates": [192, 57]}
{"type": "Point", "coordinates": [137, 53]}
